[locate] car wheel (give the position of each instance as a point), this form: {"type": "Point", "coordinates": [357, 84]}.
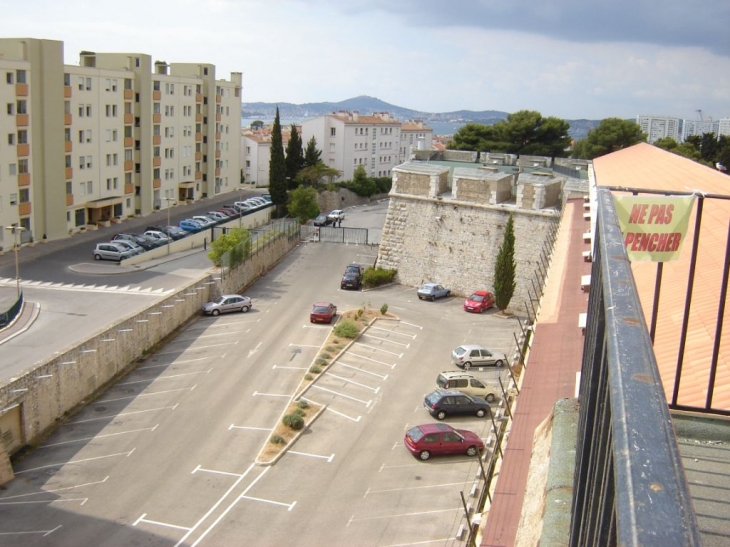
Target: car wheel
{"type": "Point", "coordinates": [433, 298]}
{"type": "Point", "coordinates": [332, 319]}
{"type": "Point", "coordinates": [97, 257]}
{"type": "Point", "coordinates": [467, 365]}
{"type": "Point", "coordinates": [471, 451]}
{"type": "Point", "coordinates": [215, 312]}
{"type": "Point", "coordinates": [424, 455]}
{"type": "Point", "coordinates": [489, 398]}
{"type": "Point", "coordinates": [480, 413]}
{"type": "Point", "coordinates": [440, 415]}
{"type": "Point", "coordinates": [245, 309]}
{"type": "Point", "coordinates": [498, 363]}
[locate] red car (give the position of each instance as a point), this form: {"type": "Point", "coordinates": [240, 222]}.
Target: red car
{"type": "Point", "coordinates": [479, 301]}
{"type": "Point", "coordinates": [323, 312]}
{"type": "Point", "coordinates": [424, 441]}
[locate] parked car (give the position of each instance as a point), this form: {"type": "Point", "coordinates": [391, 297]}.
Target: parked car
{"type": "Point", "coordinates": [230, 213]}
{"type": "Point", "coordinates": [112, 251]}
{"type": "Point", "coordinates": [351, 280]}
{"type": "Point", "coordinates": [335, 215]}
{"type": "Point", "coordinates": [205, 221]}
{"type": "Point", "coordinates": [217, 215]}
{"type": "Point", "coordinates": [479, 301]}
{"type": "Point", "coordinates": [321, 220]}
{"type": "Point", "coordinates": [190, 225]}
{"type": "Point", "coordinates": [153, 240]}
{"type": "Point", "coordinates": [143, 242]}
{"type": "Point", "coordinates": [232, 209]}
{"type": "Point", "coordinates": [466, 383]}
{"type": "Point", "coordinates": [323, 312]}
{"type": "Point", "coordinates": [450, 402]}
{"type": "Point", "coordinates": [158, 235]}
{"type": "Point", "coordinates": [473, 355]}
{"type": "Point", "coordinates": [424, 441]}
{"type": "Point", "coordinates": [228, 303]}
{"type": "Point", "coordinates": [432, 291]}
{"type": "Point", "coordinates": [136, 249]}
{"type": "Point", "coordinates": [175, 232]}
{"type": "Point", "coordinates": [355, 268]}
{"type": "Point", "coordinates": [267, 197]}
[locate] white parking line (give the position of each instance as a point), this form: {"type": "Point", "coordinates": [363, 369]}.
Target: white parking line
{"type": "Point", "coordinates": [353, 519]}
{"type": "Point", "coordinates": [254, 350]}
{"type": "Point", "coordinates": [57, 489]}
{"type": "Point", "coordinates": [412, 325]}
{"type": "Point", "coordinates": [164, 524]}
{"type": "Point", "coordinates": [198, 337]}
{"type": "Point", "coordinates": [34, 502]}
{"type": "Point", "coordinates": [164, 377]}
{"type": "Point", "coordinates": [371, 359]}
{"type": "Point", "coordinates": [144, 395]}
{"type": "Point", "coordinates": [248, 427]}
{"type": "Point", "coordinates": [373, 389]}
{"type": "Point", "coordinates": [198, 468]}
{"type": "Point", "coordinates": [387, 340]}
{"type": "Point", "coordinates": [366, 403]}
{"type": "Point", "coordinates": [122, 414]}
{"type": "Point", "coordinates": [392, 331]}
{"type": "Point", "coordinates": [343, 415]}
{"type": "Point", "coordinates": [42, 532]}
{"type": "Point", "coordinates": [76, 461]}
{"type": "Point", "coordinates": [256, 394]}
{"type": "Point", "coordinates": [411, 488]}
{"type": "Point", "coordinates": [340, 363]}
{"type": "Point", "coordinates": [292, 368]}
{"type": "Point", "coordinates": [98, 437]}
{"type": "Point", "coordinates": [289, 505]}
{"type": "Point", "coordinates": [194, 348]}
{"type": "Point", "coordinates": [379, 349]}
{"type": "Point", "coordinates": [328, 458]}
{"type": "Point", "coordinates": [184, 362]}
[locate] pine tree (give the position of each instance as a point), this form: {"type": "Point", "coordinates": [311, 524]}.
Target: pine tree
{"type": "Point", "coordinates": [277, 166]}
{"type": "Point", "coordinates": [311, 154]}
{"type": "Point", "coordinates": [294, 157]}
{"type": "Point", "coordinates": [505, 268]}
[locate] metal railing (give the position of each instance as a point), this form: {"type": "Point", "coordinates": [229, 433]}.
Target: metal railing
{"type": "Point", "coordinates": [629, 485]}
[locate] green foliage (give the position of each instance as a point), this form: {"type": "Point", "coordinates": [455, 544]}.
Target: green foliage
{"type": "Point", "coordinates": [299, 411]}
{"type": "Point", "coordinates": [320, 361]}
{"type": "Point", "coordinates": [294, 157]}
{"type": "Point", "coordinates": [687, 149]}
{"type": "Point", "coordinates": [294, 421]}
{"type": "Point", "coordinates": [277, 165]}
{"type": "Point", "coordinates": [257, 124]}
{"type": "Point", "coordinates": [325, 355]}
{"type": "Point", "coordinates": [277, 439]}
{"type": "Point", "coordinates": [312, 156]}
{"type": "Point", "coordinates": [303, 404]}
{"type": "Point", "coordinates": [358, 313]}
{"type": "Point", "coordinates": [303, 203]}
{"type": "Point", "coordinates": [237, 242]}
{"type": "Point", "coordinates": [611, 135]}
{"type": "Point", "coordinates": [383, 184]}
{"type": "Point", "coordinates": [308, 377]}
{"type": "Point", "coordinates": [505, 268]}
{"type": "Point", "coordinates": [331, 348]}
{"type": "Point", "coordinates": [347, 329]}
{"type": "Point", "coordinates": [375, 277]}
{"type": "Point", "coordinates": [315, 369]}
{"type": "Point", "coordinates": [384, 309]}
{"type": "Point", "coordinates": [317, 176]}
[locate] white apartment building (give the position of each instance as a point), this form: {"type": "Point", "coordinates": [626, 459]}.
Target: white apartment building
{"type": "Point", "coordinates": [660, 127]}
{"type": "Point", "coordinates": [723, 127]}
{"type": "Point", "coordinates": [699, 127]}
{"type": "Point", "coordinates": [415, 135]}
{"type": "Point", "coordinates": [112, 137]}
{"type": "Point", "coordinates": [256, 155]}
{"type": "Point", "coordinates": [348, 140]}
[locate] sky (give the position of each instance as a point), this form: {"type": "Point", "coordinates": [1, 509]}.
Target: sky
{"type": "Point", "coordinates": [567, 58]}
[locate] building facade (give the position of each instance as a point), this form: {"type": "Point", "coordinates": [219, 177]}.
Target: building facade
{"type": "Point", "coordinates": [414, 135]}
{"type": "Point", "coordinates": [660, 127]}
{"type": "Point", "coordinates": [114, 137]}
{"type": "Point", "coordinates": [699, 128]}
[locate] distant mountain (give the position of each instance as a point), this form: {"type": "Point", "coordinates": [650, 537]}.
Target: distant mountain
{"type": "Point", "coordinates": [367, 105]}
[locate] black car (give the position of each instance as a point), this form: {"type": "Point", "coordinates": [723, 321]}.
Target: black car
{"type": "Point", "coordinates": [143, 242]}
{"type": "Point", "coordinates": [322, 220]}
{"type": "Point", "coordinates": [445, 402]}
{"type": "Point", "coordinates": [351, 281]}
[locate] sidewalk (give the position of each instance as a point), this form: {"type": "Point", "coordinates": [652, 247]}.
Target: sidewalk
{"type": "Point", "coordinates": [554, 361]}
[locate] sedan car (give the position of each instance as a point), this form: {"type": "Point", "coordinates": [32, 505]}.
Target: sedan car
{"type": "Point", "coordinates": [190, 225]}
{"type": "Point", "coordinates": [323, 312]}
{"type": "Point", "coordinates": [432, 291]}
{"type": "Point", "coordinates": [143, 242]}
{"type": "Point", "coordinates": [479, 301]}
{"type": "Point", "coordinates": [446, 402]}
{"type": "Point", "coordinates": [351, 281]}
{"type": "Point", "coordinates": [321, 220]}
{"type": "Point", "coordinates": [469, 355]}
{"type": "Point", "coordinates": [228, 303]}
{"type": "Point", "coordinates": [424, 441]}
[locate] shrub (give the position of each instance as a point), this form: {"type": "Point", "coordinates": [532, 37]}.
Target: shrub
{"type": "Point", "coordinates": [384, 309]}
{"type": "Point", "coordinates": [277, 439]}
{"type": "Point", "coordinates": [299, 412]}
{"type": "Point", "coordinates": [347, 329]}
{"type": "Point", "coordinates": [374, 277]}
{"type": "Point", "coordinates": [315, 369]}
{"type": "Point", "coordinates": [321, 362]}
{"type": "Point", "coordinates": [294, 421]}
{"type": "Point", "coordinates": [359, 313]}
{"type": "Point", "coordinates": [303, 404]}
{"type": "Point", "coordinates": [308, 377]}
{"type": "Point", "coordinates": [331, 348]}
{"type": "Point", "coordinates": [325, 355]}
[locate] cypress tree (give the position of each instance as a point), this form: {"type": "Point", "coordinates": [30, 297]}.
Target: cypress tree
{"type": "Point", "coordinates": [312, 155]}
{"type": "Point", "coordinates": [277, 166]}
{"type": "Point", "coordinates": [294, 157]}
{"type": "Point", "coordinates": [505, 268]}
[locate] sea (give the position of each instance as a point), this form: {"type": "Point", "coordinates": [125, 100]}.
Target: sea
{"type": "Point", "coordinates": [439, 128]}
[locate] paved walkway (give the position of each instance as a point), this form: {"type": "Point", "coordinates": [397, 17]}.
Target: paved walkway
{"type": "Point", "coordinates": [554, 360]}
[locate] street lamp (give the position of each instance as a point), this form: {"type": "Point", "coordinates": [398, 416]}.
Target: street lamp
{"type": "Point", "coordinates": [169, 237]}
{"type": "Point", "coordinates": [15, 230]}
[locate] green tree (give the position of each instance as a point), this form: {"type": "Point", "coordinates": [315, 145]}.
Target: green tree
{"type": "Point", "coordinates": [277, 166]}
{"type": "Point", "coordinates": [294, 157]}
{"type": "Point", "coordinates": [612, 134]}
{"type": "Point", "coordinates": [317, 175]}
{"type": "Point", "coordinates": [361, 184]}
{"type": "Point", "coordinates": [303, 203]}
{"type": "Point", "coordinates": [709, 147]}
{"type": "Point", "coordinates": [723, 153]}
{"type": "Point", "coordinates": [686, 149]}
{"type": "Point", "coordinates": [478, 137]}
{"type": "Point", "coordinates": [257, 124]}
{"type": "Point", "coordinates": [505, 268]}
{"type": "Point", "coordinates": [312, 156]}
{"type": "Point", "coordinates": [230, 248]}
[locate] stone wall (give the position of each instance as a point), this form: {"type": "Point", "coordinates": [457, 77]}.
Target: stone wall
{"type": "Point", "coordinates": [483, 185]}
{"type": "Point", "coordinates": [539, 191]}
{"type": "Point", "coordinates": [460, 155]}
{"type": "Point", "coordinates": [418, 179]}
{"type": "Point", "coordinates": [342, 199]}
{"type": "Point", "coordinates": [456, 243]}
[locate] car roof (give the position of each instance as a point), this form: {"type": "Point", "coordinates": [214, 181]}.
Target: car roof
{"type": "Point", "coordinates": [322, 304]}
{"type": "Point", "coordinates": [471, 346]}
{"type": "Point", "coordinates": [456, 374]}
{"type": "Point", "coordinates": [481, 293]}
{"type": "Point", "coordinates": [433, 428]}
{"type": "Point", "coordinates": [430, 284]}
{"type": "Point", "coordinates": [230, 295]}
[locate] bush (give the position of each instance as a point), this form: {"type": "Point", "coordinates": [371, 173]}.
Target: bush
{"type": "Point", "coordinates": [308, 377]}
{"type": "Point", "coordinates": [303, 404]}
{"type": "Point", "coordinates": [294, 421]}
{"type": "Point", "coordinates": [374, 277]}
{"type": "Point", "coordinates": [359, 313]}
{"type": "Point", "coordinates": [321, 362]}
{"type": "Point", "coordinates": [325, 355]}
{"type": "Point", "coordinates": [331, 348]}
{"type": "Point", "coordinates": [299, 412]}
{"type": "Point", "coordinates": [384, 309]}
{"type": "Point", "coordinates": [315, 369]}
{"type": "Point", "coordinates": [347, 329]}
{"type": "Point", "coordinates": [277, 439]}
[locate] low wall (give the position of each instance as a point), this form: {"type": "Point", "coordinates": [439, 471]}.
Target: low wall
{"type": "Point", "coordinates": [33, 404]}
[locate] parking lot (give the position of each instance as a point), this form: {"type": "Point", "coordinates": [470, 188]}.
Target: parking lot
{"type": "Point", "coordinates": [166, 456]}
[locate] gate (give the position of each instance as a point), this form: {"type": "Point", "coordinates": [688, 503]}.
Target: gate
{"type": "Point", "coordinates": [330, 234]}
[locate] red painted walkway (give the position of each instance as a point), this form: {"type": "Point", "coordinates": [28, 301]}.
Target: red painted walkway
{"type": "Point", "coordinates": [553, 362]}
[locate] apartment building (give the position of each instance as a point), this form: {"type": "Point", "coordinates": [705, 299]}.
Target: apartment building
{"type": "Point", "coordinates": [348, 140]}
{"type": "Point", "coordinates": [699, 127]}
{"type": "Point", "coordinates": [723, 127]}
{"type": "Point", "coordinates": [256, 153]}
{"type": "Point", "coordinates": [414, 135]}
{"type": "Point", "coordinates": [660, 127]}
{"type": "Point", "coordinates": [113, 137]}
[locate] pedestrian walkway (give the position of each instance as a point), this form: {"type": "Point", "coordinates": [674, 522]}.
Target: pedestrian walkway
{"type": "Point", "coordinates": [21, 323]}
{"type": "Point", "coordinates": [550, 374]}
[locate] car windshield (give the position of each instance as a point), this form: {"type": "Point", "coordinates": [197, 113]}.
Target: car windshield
{"type": "Point", "coordinates": [476, 297]}
{"type": "Point", "coordinates": [415, 434]}
{"type": "Point", "coordinates": [426, 288]}
{"type": "Point", "coordinates": [320, 309]}
{"type": "Point", "coordinates": [459, 351]}
{"type": "Point", "coordinates": [433, 398]}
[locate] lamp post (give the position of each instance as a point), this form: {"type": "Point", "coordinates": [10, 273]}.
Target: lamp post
{"type": "Point", "coordinates": [240, 215]}
{"type": "Point", "coordinates": [15, 230]}
{"type": "Point", "coordinates": [170, 203]}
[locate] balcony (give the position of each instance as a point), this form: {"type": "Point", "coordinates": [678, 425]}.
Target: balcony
{"type": "Point", "coordinates": [198, 156]}
{"type": "Point", "coordinates": [67, 91]}
{"type": "Point", "coordinates": [218, 136]}
{"type": "Point", "coordinates": [218, 98]}
{"type": "Point", "coordinates": [198, 137]}
{"type": "Point", "coordinates": [198, 97]}
{"type": "Point", "coordinates": [67, 119]}
{"type": "Point", "coordinates": [156, 95]}
{"type": "Point", "coordinates": [24, 179]}
{"type": "Point", "coordinates": [156, 139]}
{"type": "Point", "coordinates": [69, 200]}
{"type": "Point", "coordinates": [128, 142]}
{"type": "Point", "coordinates": [218, 117]}
{"type": "Point", "coordinates": [69, 173]}
{"type": "Point", "coordinates": [21, 120]}
{"type": "Point", "coordinates": [156, 118]}
{"type": "Point", "coordinates": [129, 165]}
{"type": "Point", "coordinates": [156, 183]}
{"type": "Point", "coordinates": [24, 209]}
{"type": "Point", "coordinates": [217, 171]}
{"type": "Point", "coordinates": [217, 153]}
{"type": "Point", "coordinates": [156, 161]}
{"type": "Point", "coordinates": [128, 94]}
{"type": "Point", "coordinates": [21, 90]}
{"type": "Point", "coordinates": [198, 117]}
{"type": "Point", "coordinates": [198, 175]}
{"type": "Point", "coordinates": [129, 188]}
{"type": "Point", "coordinates": [128, 119]}
{"type": "Point", "coordinates": [68, 146]}
{"type": "Point", "coordinates": [23, 150]}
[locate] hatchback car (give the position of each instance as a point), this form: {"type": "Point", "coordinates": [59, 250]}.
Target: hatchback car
{"type": "Point", "coordinates": [479, 301]}
{"type": "Point", "coordinates": [111, 251]}
{"type": "Point", "coordinates": [323, 312]}
{"type": "Point", "coordinates": [473, 355]}
{"type": "Point", "coordinates": [432, 291]}
{"type": "Point", "coordinates": [143, 242]}
{"type": "Point", "coordinates": [335, 215]}
{"type": "Point", "coordinates": [207, 222]}
{"type": "Point", "coordinates": [190, 225]}
{"type": "Point", "coordinates": [447, 402]}
{"type": "Point", "coordinates": [424, 441]}
{"type": "Point", "coordinates": [351, 281]}
{"type": "Point", "coordinates": [321, 220]}
{"type": "Point", "coordinates": [158, 235]}
{"type": "Point", "coordinates": [466, 383]}
{"type": "Point", "coordinates": [228, 303]}
{"type": "Point", "coordinates": [136, 249]}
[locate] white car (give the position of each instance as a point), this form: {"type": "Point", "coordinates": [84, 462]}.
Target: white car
{"type": "Point", "coordinates": [205, 221]}
{"type": "Point", "coordinates": [158, 236]}
{"type": "Point", "coordinates": [217, 215]}
{"type": "Point", "coordinates": [337, 214]}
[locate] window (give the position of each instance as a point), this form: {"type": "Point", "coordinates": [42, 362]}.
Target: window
{"type": "Point", "coordinates": [108, 184]}
{"type": "Point", "coordinates": [115, 135]}
{"type": "Point", "coordinates": [9, 77]}
{"type": "Point", "coordinates": [82, 188]}
{"type": "Point", "coordinates": [332, 131]}
{"type": "Point", "coordinates": [156, 85]}
{"type": "Point", "coordinates": [82, 162]}
{"type": "Point", "coordinates": [108, 135]}
{"type": "Point", "coordinates": [22, 166]}
{"type": "Point", "coordinates": [81, 111]}
{"type": "Point", "coordinates": [88, 110]}
{"type": "Point", "coordinates": [81, 84]}
{"type": "Point", "coordinates": [108, 84]}
{"type": "Point", "coordinates": [88, 84]}
{"type": "Point", "coordinates": [90, 187]}
{"type": "Point", "coordinates": [22, 136]}
{"type": "Point", "coordinates": [11, 139]}
{"type": "Point", "coordinates": [11, 109]}
{"type": "Point", "coordinates": [108, 160]}
{"type": "Point", "coordinates": [155, 108]}
{"type": "Point", "coordinates": [13, 199]}
{"type": "Point", "coordinates": [69, 188]}
{"type": "Point", "coordinates": [22, 106]}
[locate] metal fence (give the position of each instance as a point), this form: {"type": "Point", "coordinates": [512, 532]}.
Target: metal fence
{"type": "Point", "coordinates": [9, 315]}
{"type": "Point", "coordinates": [629, 487]}
{"type": "Point", "coordinates": [260, 239]}
{"type": "Point", "coordinates": [350, 236]}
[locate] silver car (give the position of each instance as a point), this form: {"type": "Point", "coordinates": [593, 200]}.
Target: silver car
{"type": "Point", "coordinates": [226, 303]}
{"type": "Point", "coordinates": [473, 355]}
{"type": "Point", "coordinates": [111, 251]}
